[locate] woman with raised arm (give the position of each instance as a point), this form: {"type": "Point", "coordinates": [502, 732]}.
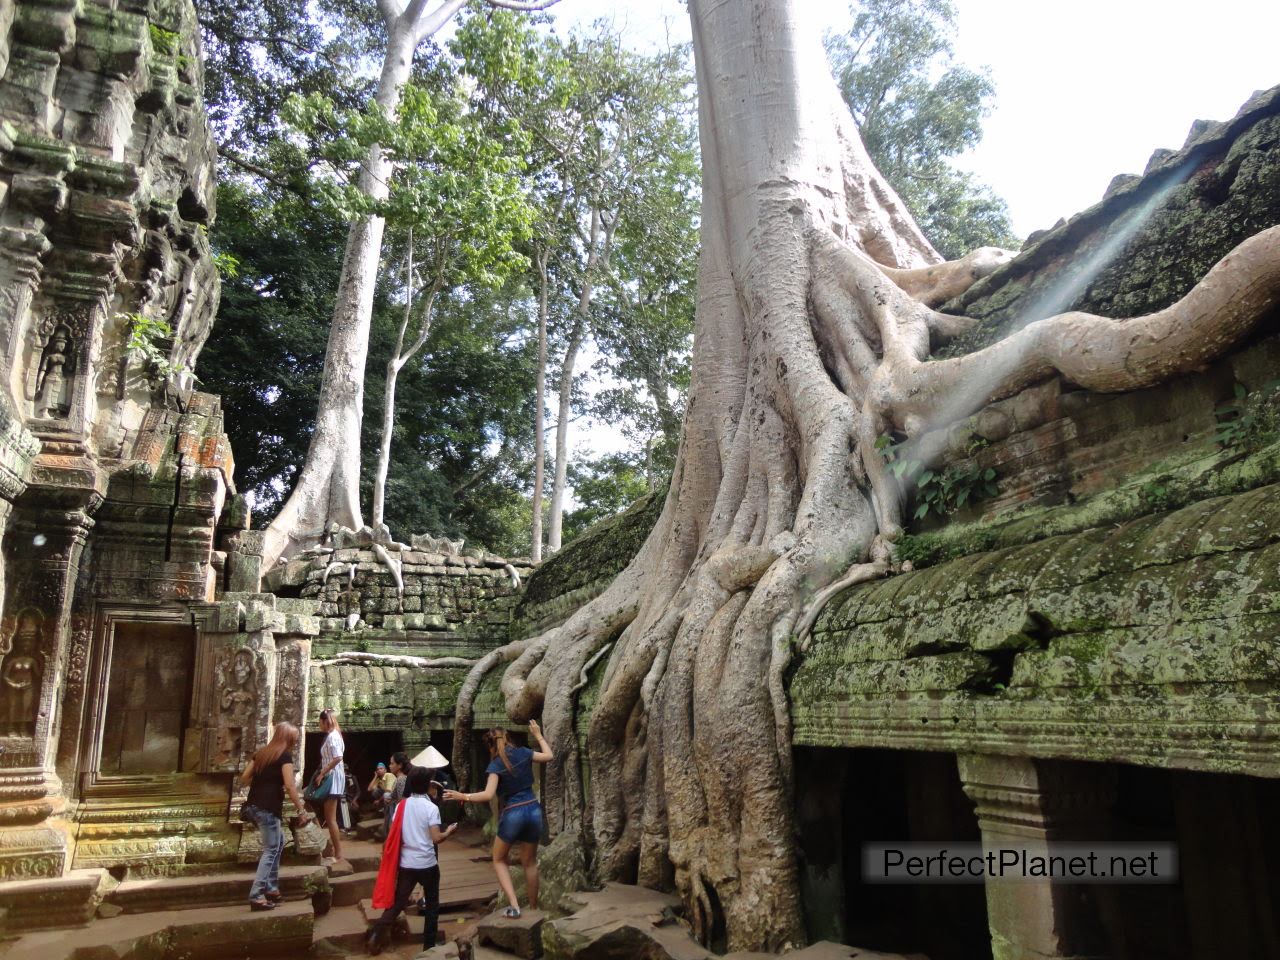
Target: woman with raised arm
{"type": "Point", "coordinates": [510, 773]}
{"type": "Point", "coordinates": [332, 769]}
{"type": "Point", "coordinates": [269, 776]}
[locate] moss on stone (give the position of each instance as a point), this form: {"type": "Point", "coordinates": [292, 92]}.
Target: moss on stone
{"type": "Point", "coordinates": [585, 566]}
{"type": "Point", "coordinates": [1191, 477]}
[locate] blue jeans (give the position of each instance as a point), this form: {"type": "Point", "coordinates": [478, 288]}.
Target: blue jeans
{"type": "Point", "coordinates": [521, 823]}
{"type": "Point", "coordinates": [268, 877]}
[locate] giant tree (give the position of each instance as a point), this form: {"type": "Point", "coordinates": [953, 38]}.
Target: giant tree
{"type": "Point", "coordinates": [814, 325]}
{"type": "Point", "coordinates": [328, 487]}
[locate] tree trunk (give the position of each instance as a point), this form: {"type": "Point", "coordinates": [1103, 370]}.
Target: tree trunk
{"type": "Point", "coordinates": [389, 393]}
{"type": "Point", "coordinates": [328, 487]}
{"type": "Point", "coordinates": [812, 338]}
{"type": "Point", "coordinates": [540, 411]}
{"type": "Point", "coordinates": [563, 413]}
{"type": "Point", "coordinates": [595, 254]}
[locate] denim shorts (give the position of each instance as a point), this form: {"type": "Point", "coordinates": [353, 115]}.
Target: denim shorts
{"type": "Point", "coordinates": [522, 824]}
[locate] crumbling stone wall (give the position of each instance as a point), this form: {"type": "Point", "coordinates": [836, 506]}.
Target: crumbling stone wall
{"type": "Point", "coordinates": [113, 471]}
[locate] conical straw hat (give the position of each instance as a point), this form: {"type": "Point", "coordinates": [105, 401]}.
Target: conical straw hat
{"type": "Point", "coordinates": [431, 758]}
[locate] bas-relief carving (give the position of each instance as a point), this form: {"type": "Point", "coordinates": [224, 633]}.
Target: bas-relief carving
{"type": "Point", "coordinates": [237, 677]}
{"type": "Point", "coordinates": [53, 394]}
{"type": "Point", "coordinates": [22, 666]}
{"type": "Point", "coordinates": [292, 669]}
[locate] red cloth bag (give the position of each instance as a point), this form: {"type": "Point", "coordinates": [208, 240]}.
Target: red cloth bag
{"type": "Point", "coordinates": [384, 890]}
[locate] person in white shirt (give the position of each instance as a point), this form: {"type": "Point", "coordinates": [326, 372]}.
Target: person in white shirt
{"type": "Point", "coordinates": [331, 766]}
{"type": "Point", "coordinates": [419, 833]}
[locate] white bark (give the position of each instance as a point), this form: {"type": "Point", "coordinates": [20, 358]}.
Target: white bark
{"type": "Point", "coordinates": [399, 357]}
{"type": "Point", "coordinates": [599, 239]}
{"type": "Point", "coordinates": [540, 409]}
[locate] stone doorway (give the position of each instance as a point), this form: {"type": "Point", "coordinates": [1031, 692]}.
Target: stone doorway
{"type": "Point", "coordinates": [1227, 900]}
{"type": "Point", "coordinates": [848, 797]}
{"type": "Point", "coordinates": [148, 698]}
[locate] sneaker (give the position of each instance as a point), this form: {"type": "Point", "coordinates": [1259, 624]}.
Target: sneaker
{"type": "Point", "coordinates": [373, 943]}
{"type": "Point", "coordinates": [511, 913]}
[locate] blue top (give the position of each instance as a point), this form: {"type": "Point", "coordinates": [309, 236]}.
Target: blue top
{"type": "Point", "coordinates": [514, 785]}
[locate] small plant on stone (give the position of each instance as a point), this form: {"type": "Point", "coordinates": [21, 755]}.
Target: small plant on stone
{"type": "Point", "coordinates": [941, 492]}
{"type": "Point", "coordinates": [1250, 418]}
{"type": "Point", "coordinates": [1155, 495]}
{"type": "Point", "coordinates": [945, 492]}
{"type": "Point", "coordinates": [145, 334]}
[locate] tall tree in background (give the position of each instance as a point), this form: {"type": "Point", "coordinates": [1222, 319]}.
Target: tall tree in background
{"type": "Point", "coordinates": [814, 328]}
{"type": "Point", "coordinates": [611, 150]}
{"type": "Point", "coordinates": [915, 109]}
{"type": "Point", "coordinates": [463, 466]}
{"type": "Point", "coordinates": [328, 487]}
{"type": "Point", "coordinates": [454, 196]}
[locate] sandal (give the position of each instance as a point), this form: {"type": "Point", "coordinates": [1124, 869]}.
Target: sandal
{"type": "Point", "coordinates": [511, 913]}
{"type": "Point", "coordinates": [261, 903]}
{"type": "Point", "coordinates": [275, 896]}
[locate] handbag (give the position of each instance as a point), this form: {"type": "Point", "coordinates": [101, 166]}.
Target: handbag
{"type": "Point", "coordinates": [318, 792]}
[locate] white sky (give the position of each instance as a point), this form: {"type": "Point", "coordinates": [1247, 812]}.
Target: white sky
{"type": "Point", "coordinates": [1085, 89]}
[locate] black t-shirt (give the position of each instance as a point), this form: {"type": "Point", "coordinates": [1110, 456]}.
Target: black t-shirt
{"type": "Point", "coordinates": [266, 792]}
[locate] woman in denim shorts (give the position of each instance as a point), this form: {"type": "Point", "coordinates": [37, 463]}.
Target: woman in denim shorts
{"type": "Point", "coordinates": [510, 773]}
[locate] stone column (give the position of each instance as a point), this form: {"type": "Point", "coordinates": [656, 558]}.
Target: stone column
{"type": "Point", "coordinates": [47, 533]}
{"type": "Point", "coordinates": [1024, 802]}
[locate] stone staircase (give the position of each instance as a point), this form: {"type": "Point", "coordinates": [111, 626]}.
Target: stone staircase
{"type": "Point", "coordinates": [203, 916]}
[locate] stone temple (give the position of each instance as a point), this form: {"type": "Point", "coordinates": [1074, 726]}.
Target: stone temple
{"type": "Point", "coordinates": [1092, 652]}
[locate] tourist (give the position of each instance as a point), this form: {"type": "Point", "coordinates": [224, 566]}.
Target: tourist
{"type": "Point", "coordinates": [409, 858]}
{"type": "Point", "coordinates": [380, 787]}
{"type": "Point", "coordinates": [269, 775]}
{"type": "Point", "coordinates": [510, 773]}
{"type": "Point", "coordinates": [401, 768]}
{"type": "Point", "coordinates": [330, 780]}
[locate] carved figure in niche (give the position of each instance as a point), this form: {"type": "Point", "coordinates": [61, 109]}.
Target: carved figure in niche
{"type": "Point", "coordinates": [52, 385]}
{"type": "Point", "coordinates": [237, 681]}
{"type": "Point", "coordinates": [21, 672]}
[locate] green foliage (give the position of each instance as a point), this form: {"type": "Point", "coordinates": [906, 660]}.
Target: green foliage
{"type": "Point", "coordinates": [1156, 495]}
{"type": "Point", "coordinates": [456, 181]}
{"type": "Point", "coordinates": [940, 492]}
{"type": "Point", "coordinates": [915, 109]}
{"type": "Point", "coordinates": [1251, 419]}
{"type": "Point", "coordinates": [227, 264]}
{"type": "Point", "coordinates": [162, 40]}
{"type": "Point", "coordinates": [604, 487]}
{"type": "Point", "coordinates": [145, 336]}
{"type": "Point", "coordinates": [958, 484]}
{"type": "Point", "coordinates": [611, 132]}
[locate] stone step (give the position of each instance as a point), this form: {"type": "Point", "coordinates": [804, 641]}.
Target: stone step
{"type": "Point", "coordinates": [209, 890]}
{"type": "Point", "coordinates": [409, 924]}
{"type": "Point", "coordinates": [449, 951]}
{"type": "Point", "coordinates": [54, 902]}
{"type": "Point", "coordinates": [208, 933]}
{"type": "Point", "coordinates": [340, 932]}
{"type": "Point", "coordinates": [520, 936]}
{"type": "Point", "coordinates": [349, 891]}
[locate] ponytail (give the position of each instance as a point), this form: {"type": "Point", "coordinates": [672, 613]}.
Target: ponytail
{"type": "Point", "coordinates": [496, 740]}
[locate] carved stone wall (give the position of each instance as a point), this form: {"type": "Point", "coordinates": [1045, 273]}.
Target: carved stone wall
{"type": "Point", "coordinates": [113, 472]}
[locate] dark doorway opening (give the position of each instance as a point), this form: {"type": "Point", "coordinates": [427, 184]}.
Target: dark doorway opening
{"type": "Point", "coordinates": [148, 698]}
{"type": "Point", "coordinates": [846, 798]}
{"type": "Point", "coordinates": [1226, 902]}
